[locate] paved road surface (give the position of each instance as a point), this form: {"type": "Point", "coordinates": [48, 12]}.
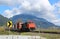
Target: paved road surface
{"type": "Point", "coordinates": [20, 37]}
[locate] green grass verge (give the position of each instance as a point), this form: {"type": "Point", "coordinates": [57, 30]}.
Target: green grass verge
{"type": "Point", "coordinates": [50, 36]}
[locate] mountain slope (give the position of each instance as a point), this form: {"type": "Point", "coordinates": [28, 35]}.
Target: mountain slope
{"type": "Point", "coordinates": [40, 22]}
{"type": "Point", "coordinates": [3, 20]}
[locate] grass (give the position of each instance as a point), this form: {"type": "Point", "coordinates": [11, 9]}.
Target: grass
{"type": "Point", "coordinates": [50, 36]}
{"type": "Point", "coordinates": [5, 32]}
{"type": "Point", "coordinates": [30, 33]}
{"type": "Point", "coordinates": [51, 30]}
{"type": "Point", "coordinates": [48, 30]}
{"type": "Point", "coordinates": [46, 35]}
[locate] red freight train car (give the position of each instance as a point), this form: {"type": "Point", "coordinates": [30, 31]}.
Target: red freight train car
{"type": "Point", "coordinates": [27, 26]}
{"type": "Point", "coordinates": [19, 25]}
{"type": "Point", "coordinates": [31, 25]}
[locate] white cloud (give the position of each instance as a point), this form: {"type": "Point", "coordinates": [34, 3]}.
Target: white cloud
{"type": "Point", "coordinates": [31, 5]}
{"type": "Point", "coordinates": [25, 4]}
{"type": "Point", "coordinates": [16, 11]}
{"type": "Point", "coordinates": [5, 2]}
{"type": "Point", "coordinates": [56, 21]}
{"type": "Point", "coordinates": [57, 7]}
{"type": "Point", "coordinates": [40, 8]}
{"type": "Point", "coordinates": [57, 4]}
{"type": "Point", "coordinates": [11, 13]}
{"type": "Point", "coordinates": [8, 13]}
{"type": "Point", "coordinates": [57, 13]}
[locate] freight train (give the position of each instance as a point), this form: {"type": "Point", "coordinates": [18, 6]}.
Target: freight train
{"type": "Point", "coordinates": [27, 26]}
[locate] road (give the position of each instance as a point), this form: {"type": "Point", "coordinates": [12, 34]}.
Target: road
{"type": "Point", "coordinates": [20, 37]}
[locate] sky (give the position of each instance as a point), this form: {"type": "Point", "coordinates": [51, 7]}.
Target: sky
{"type": "Point", "coordinates": [47, 9]}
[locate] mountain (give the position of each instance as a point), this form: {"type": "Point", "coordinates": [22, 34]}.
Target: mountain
{"type": "Point", "coordinates": [3, 20]}
{"type": "Point", "coordinates": [40, 22]}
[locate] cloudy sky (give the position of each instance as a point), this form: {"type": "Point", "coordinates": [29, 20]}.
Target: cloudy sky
{"type": "Point", "coordinates": [48, 9]}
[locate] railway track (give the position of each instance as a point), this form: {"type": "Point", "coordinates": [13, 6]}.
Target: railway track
{"type": "Point", "coordinates": [46, 32]}
{"type": "Point", "coordinates": [38, 32]}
